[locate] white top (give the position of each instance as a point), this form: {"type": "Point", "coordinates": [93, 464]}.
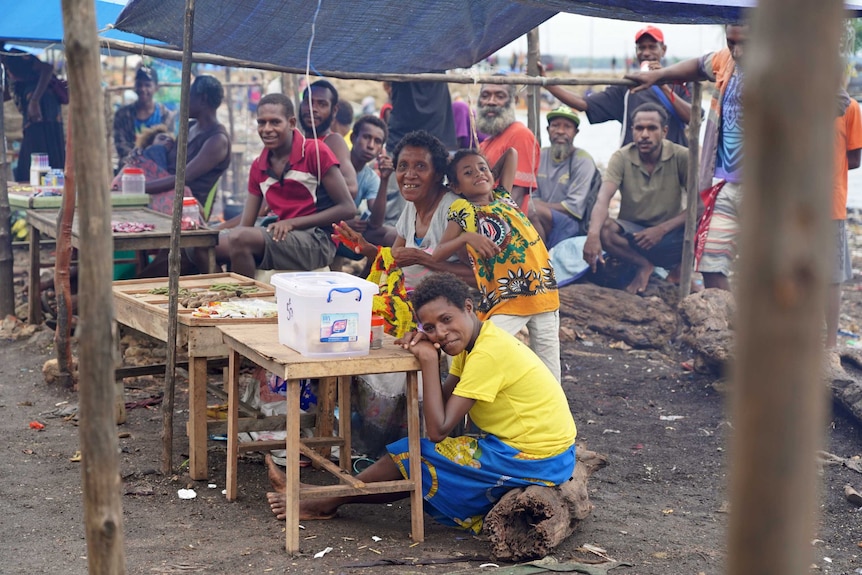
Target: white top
{"type": "Point", "coordinates": [406, 228]}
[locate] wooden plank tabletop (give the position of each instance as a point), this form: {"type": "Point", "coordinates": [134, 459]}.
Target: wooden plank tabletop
{"type": "Point", "coordinates": [260, 344]}
{"type": "Point", "coordinates": [158, 238]}
{"type": "Point", "coordinates": [134, 297]}
{"type": "Point", "coordinates": [26, 200]}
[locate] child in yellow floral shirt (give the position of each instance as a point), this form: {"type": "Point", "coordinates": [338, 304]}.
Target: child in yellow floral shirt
{"type": "Point", "coordinates": [510, 262]}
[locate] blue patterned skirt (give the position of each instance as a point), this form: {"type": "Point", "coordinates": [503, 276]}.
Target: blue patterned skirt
{"type": "Point", "coordinates": [463, 477]}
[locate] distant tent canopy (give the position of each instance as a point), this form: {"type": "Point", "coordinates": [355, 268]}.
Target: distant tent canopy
{"type": "Point", "coordinates": [390, 36]}
{"type": "Point", "coordinates": [40, 24]}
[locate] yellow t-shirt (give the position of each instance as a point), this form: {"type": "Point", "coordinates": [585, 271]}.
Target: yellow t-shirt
{"type": "Point", "coordinates": [517, 398]}
{"type": "Point", "coordinates": [520, 279]}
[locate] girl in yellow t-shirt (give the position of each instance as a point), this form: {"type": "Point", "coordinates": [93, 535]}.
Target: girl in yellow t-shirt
{"type": "Point", "coordinates": [507, 391]}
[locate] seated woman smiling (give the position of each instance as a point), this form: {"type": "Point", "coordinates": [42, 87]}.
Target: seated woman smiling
{"type": "Point", "coordinates": [528, 430]}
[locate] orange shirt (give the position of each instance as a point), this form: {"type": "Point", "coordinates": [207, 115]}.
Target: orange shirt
{"type": "Point", "coordinates": [517, 136]}
{"type": "Point", "coordinates": [848, 136]}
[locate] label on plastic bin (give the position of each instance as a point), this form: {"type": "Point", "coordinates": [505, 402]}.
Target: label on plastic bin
{"type": "Point", "coordinates": [339, 327]}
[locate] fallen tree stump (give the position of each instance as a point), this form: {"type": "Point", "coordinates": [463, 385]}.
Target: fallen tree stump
{"type": "Point", "coordinates": [528, 522]}
{"type": "Point", "coordinates": [641, 322]}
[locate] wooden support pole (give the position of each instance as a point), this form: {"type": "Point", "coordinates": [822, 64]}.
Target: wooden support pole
{"type": "Point", "coordinates": [533, 91]}
{"type": "Point", "coordinates": [7, 284]}
{"type": "Point", "coordinates": [692, 193]}
{"type": "Point", "coordinates": [785, 258]}
{"type": "Point", "coordinates": [204, 58]}
{"type": "Point", "coordinates": [100, 470]}
{"type": "Point", "coordinates": [174, 257]}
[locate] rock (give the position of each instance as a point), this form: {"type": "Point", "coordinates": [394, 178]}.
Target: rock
{"type": "Point", "coordinates": [707, 328]}
{"type": "Point", "coordinates": [52, 374]}
{"type": "Point", "coordinates": [641, 322]}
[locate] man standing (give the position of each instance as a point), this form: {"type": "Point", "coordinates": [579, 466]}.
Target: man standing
{"type": "Point", "coordinates": [129, 121]}
{"type": "Point", "coordinates": [618, 103]}
{"type": "Point", "coordinates": [568, 182]}
{"type": "Point", "coordinates": [316, 122]}
{"type": "Point", "coordinates": [650, 174]}
{"type": "Point", "coordinates": [848, 155]}
{"type": "Point", "coordinates": [497, 120]}
{"type": "Point", "coordinates": [721, 157]}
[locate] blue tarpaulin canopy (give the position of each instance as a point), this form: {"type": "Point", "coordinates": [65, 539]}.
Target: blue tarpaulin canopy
{"type": "Point", "coordinates": [40, 22]}
{"type": "Point", "coordinates": [389, 36]}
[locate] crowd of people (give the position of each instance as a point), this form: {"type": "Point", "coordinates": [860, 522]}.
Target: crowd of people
{"type": "Point", "coordinates": [465, 232]}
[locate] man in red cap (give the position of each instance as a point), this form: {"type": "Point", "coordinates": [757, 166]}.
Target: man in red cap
{"type": "Point", "coordinates": [618, 103]}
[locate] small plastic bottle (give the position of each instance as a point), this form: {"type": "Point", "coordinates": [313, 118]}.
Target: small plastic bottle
{"type": "Point", "coordinates": [376, 332]}
{"type": "Point", "coordinates": [191, 216]}
{"type": "Point", "coordinates": [133, 181]}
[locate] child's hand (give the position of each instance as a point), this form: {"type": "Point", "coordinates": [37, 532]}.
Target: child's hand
{"type": "Point", "coordinates": [483, 246]}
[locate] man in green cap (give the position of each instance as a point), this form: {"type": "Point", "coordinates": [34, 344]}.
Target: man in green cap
{"type": "Point", "coordinates": [568, 182]}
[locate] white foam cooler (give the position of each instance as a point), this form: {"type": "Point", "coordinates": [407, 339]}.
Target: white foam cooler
{"type": "Point", "coordinates": [324, 314]}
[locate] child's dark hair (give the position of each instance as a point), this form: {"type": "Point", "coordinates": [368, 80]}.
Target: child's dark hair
{"type": "Point", "coordinates": [373, 121]}
{"type": "Point", "coordinates": [423, 139]}
{"type": "Point", "coordinates": [452, 168]}
{"type": "Point", "coordinates": [278, 99]}
{"type": "Point", "coordinates": [148, 135]}
{"type": "Point", "coordinates": [448, 286]}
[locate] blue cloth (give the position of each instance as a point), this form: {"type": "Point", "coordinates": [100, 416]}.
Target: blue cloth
{"type": "Point", "coordinates": [463, 477]}
{"type": "Point", "coordinates": [567, 258]}
{"type": "Point", "coordinates": [367, 182]}
{"type": "Point", "coordinates": [728, 164]}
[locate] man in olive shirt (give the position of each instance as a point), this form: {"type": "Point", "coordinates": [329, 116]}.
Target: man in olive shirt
{"type": "Point", "coordinates": [650, 174]}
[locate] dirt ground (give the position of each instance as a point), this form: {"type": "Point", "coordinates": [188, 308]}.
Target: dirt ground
{"type": "Point", "coordinates": [660, 505]}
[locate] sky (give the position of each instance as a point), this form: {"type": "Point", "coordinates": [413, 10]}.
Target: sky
{"type": "Point", "coordinates": [574, 35]}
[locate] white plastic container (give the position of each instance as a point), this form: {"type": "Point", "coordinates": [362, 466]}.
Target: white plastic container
{"type": "Point", "coordinates": [133, 181]}
{"type": "Point", "coordinates": [324, 314]}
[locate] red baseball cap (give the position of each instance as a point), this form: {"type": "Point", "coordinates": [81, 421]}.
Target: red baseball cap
{"type": "Point", "coordinates": [650, 31]}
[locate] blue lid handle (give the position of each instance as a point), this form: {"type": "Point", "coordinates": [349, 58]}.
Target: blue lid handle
{"type": "Point", "coordinates": [344, 290]}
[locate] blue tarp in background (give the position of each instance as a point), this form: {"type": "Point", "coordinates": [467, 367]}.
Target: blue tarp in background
{"type": "Point", "coordinates": [389, 36]}
{"type": "Point", "coordinates": [40, 22]}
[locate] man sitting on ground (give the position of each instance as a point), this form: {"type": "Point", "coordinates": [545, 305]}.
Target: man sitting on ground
{"type": "Point", "coordinates": [367, 139]}
{"type": "Point", "coordinates": [650, 174]}
{"type": "Point", "coordinates": [568, 182]}
{"type": "Point", "coordinates": [300, 181]}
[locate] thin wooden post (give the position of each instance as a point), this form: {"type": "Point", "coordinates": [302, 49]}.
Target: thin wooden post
{"type": "Point", "coordinates": [100, 470]}
{"type": "Point", "coordinates": [174, 257]}
{"type": "Point", "coordinates": [7, 284]}
{"type": "Point", "coordinates": [779, 396]}
{"type": "Point", "coordinates": [533, 91]}
{"type": "Point", "coordinates": [692, 200]}
{"type": "Point", "coordinates": [63, 264]}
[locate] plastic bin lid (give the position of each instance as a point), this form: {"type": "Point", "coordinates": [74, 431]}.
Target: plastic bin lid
{"type": "Point", "coordinates": [316, 283]}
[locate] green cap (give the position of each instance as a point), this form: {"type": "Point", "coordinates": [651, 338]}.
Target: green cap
{"type": "Point", "coordinates": [564, 112]}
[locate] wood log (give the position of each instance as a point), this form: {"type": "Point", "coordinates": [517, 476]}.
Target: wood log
{"type": "Point", "coordinates": [527, 523]}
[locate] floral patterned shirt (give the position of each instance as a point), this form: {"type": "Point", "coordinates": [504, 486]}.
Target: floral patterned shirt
{"type": "Point", "coordinates": [520, 279]}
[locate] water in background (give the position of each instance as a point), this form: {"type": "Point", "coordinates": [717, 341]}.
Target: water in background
{"type": "Point", "coordinates": [602, 140]}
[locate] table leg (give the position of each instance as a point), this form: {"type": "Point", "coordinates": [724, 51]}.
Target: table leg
{"type": "Point", "coordinates": [292, 469]}
{"type": "Point", "coordinates": [326, 389]}
{"type": "Point", "coordinates": [211, 261]}
{"type": "Point", "coordinates": [417, 519]}
{"type": "Point", "coordinates": [197, 427]}
{"type": "Point", "coordinates": [232, 424]}
{"type": "Point", "coordinates": [35, 304]}
{"type": "Point", "coordinates": [344, 422]}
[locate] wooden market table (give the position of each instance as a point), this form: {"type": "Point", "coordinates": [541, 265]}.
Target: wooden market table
{"type": "Point", "coordinates": [260, 345]}
{"type": "Point", "coordinates": [139, 309]}
{"type": "Point", "coordinates": [44, 221]}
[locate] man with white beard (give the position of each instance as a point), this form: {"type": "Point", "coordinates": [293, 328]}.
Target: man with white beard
{"type": "Point", "coordinates": [496, 117]}
{"type": "Point", "coordinates": [568, 181]}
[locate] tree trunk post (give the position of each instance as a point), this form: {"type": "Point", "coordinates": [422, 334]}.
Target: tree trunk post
{"type": "Point", "coordinates": [692, 199]}
{"type": "Point", "coordinates": [103, 513]}
{"type": "Point", "coordinates": [779, 396]}
{"type": "Point", "coordinates": [7, 258]}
